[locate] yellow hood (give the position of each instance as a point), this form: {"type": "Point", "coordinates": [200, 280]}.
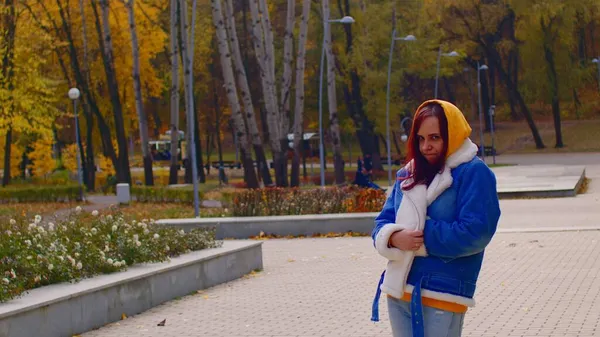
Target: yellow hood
{"type": "Point", "coordinates": [458, 127]}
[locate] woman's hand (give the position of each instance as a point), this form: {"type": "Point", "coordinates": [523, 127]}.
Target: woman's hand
{"type": "Point", "coordinates": [407, 240]}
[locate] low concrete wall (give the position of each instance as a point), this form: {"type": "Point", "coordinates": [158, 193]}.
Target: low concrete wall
{"type": "Point", "coordinates": [63, 310]}
{"type": "Point", "coordinates": [245, 227]}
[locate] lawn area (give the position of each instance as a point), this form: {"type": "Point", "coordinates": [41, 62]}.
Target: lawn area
{"type": "Point", "coordinates": [30, 210]}
{"type": "Point", "coordinates": [578, 136]}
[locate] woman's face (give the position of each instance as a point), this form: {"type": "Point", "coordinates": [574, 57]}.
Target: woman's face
{"type": "Point", "coordinates": [431, 143]}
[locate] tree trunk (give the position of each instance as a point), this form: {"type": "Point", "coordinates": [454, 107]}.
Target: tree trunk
{"type": "Point", "coordinates": [105, 40]}
{"type": "Point", "coordinates": [187, 49]}
{"type": "Point", "coordinates": [232, 96]}
{"type": "Point", "coordinates": [512, 62]}
{"type": "Point", "coordinates": [495, 58]}
{"type": "Point", "coordinates": [7, 148]}
{"type": "Point", "coordinates": [222, 177]}
{"type": "Point", "coordinates": [280, 160]}
{"type": "Point", "coordinates": [137, 90]}
{"type": "Point", "coordinates": [552, 79]}
{"type": "Point", "coordinates": [365, 129]}
{"type": "Point", "coordinates": [338, 162]}
{"type": "Point", "coordinates": [174, 92]}
{"type": "Point", "coordinates": [264, 60]}
{"type": "Point", "coordinates": [286, 84]}
{"type": "Point", "coordinates": [198, 144]}
{"type": "Point", "coordinates": [299, 97]}
{"type": "Point", "coordinates": [245, 93]}
{"type": "Point", "coordinates": [89, 163]}
{"type": "Point", "coordinates": [7, 48]}
{"type": "Point", "coordinates": [197, 138]}
{"type": "Point", "coordinates": [80, 79]}
{"type": "Point", "coordinates": [286, 78]}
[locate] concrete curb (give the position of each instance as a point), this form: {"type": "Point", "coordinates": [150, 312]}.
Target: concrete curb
{"type": "Point", "coordinates": [68, 309]}
{"type": "Point", "coordinates": [294, 225]}
{"type": "Point", "coordinates": [309, 225]}
{"type": "Point", "coordinates": [548, 229]}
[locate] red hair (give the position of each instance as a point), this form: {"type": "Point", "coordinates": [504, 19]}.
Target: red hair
{"type": "Point", "coordinates": [422, 172]}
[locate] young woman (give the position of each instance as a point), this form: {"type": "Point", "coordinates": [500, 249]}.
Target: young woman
{"type": "Point", "coordinates": [435, 225]}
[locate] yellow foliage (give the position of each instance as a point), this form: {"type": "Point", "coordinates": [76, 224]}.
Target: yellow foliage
{"type": "Point", "coordinates": [16, 153]}
{"type": "Point", "coordinates": [106, 165]}
{"type": "Point", "coordinates": [69, 157]}
{"type": "Point", "coordinates": [41, 156]}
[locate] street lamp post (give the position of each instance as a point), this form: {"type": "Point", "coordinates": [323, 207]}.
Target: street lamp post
{"type": "Point", "coordinates": [597, 61]}
{"type": "Point", "coordinates": [74, 96]}
{"type": "Point", "coordinates": [437, 71]}
{"type": "Point", "coordinates": [479, 68]}
{"type": "Point", "coordinates": [492, 112]}
{"type": "Point", "coordinates": [387, 102]}
{"type": "Point", "coordinates": [326, 22]}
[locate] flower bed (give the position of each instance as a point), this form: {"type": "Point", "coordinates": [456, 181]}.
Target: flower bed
{"type": "Point", "coordinates": [34, 254]}
{"type": "Point", "coordinates": [294, 201]}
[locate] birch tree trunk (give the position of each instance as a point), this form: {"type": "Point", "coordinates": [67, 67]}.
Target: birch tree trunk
{"type": "Point", "coordinates": [334, 126]}
{"type": "Point", "coordinates": [282, 120]}
{"type": "Point", "coordinates": [123, 172]}
{"type": "Point", "coordinates": [299, 102]}
{"type": "Point", "coordinates": [268, 87]}
{"type": "Point", "coordinates": [174, 54]}
{"type": "Point", "coordinates": [137, 90]}
{"type": "Point", "coordinates": [232, 96]}
{"type": "Point", "coordinates": [257, 143]}
{"type": "Point", "coordinates": [286, 79]}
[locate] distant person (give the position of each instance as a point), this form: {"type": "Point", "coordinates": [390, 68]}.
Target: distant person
{"type": "Point", "coordinates": [359, 178]}
{"type": "Point", "coordinates": [435, 226]}
{"type": "Point", "coordinates": [368, 166]}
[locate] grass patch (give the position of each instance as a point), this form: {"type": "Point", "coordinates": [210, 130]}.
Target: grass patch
{"type": "Point", "coordinates": [159, 211]}
{"type": "Point", "coordinates": [578, 136]}
{"type": "Point", "coordinates": [31, 209]}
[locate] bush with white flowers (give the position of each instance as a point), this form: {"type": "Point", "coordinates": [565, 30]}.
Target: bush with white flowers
{"type": "Point", "coordinates": [34, 253]}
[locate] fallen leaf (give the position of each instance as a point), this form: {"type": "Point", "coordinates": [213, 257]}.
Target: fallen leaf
{"type": "Point", "coordinates": [291, 260]}
{"type": "Point", "coordinates": [162, 323]}
{"type": "Point", "coordinates": [123, 316]}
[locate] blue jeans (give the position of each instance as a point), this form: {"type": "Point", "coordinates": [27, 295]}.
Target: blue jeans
{"type": "Point", "coordinates": [437, 323]}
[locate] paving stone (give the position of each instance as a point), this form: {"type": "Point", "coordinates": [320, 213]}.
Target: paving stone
{"type": "Point", "coordinates": [325, 287]}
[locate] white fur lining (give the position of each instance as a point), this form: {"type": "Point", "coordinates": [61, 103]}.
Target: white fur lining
{"type": "Point", "coordinates": [412, 214]}
{"type": "Point", "coordinates": [383, 238]}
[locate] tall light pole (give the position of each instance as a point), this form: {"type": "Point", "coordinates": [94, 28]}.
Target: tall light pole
{"type": "Point", "coordinates": [479, 69]}
{"type": "Point", "coordinates": [387, 102]}
{"type": "Point", "coordinates": [492, 112]}
{"type": "Point", "coordinates": [326, 22]}
{"type": "Point", "coordinates": [437, 71]}
{"type": "Point", "coordinates": [597, 61]}
{"type": "Point", "coordinates": [74, 96]}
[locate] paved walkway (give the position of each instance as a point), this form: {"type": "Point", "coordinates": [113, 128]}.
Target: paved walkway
{"type": "Point", "coordinates": [532, 284]}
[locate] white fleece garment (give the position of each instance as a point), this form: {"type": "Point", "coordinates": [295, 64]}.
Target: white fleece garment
{"type": "Point", "coordinates": [411, 215]}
